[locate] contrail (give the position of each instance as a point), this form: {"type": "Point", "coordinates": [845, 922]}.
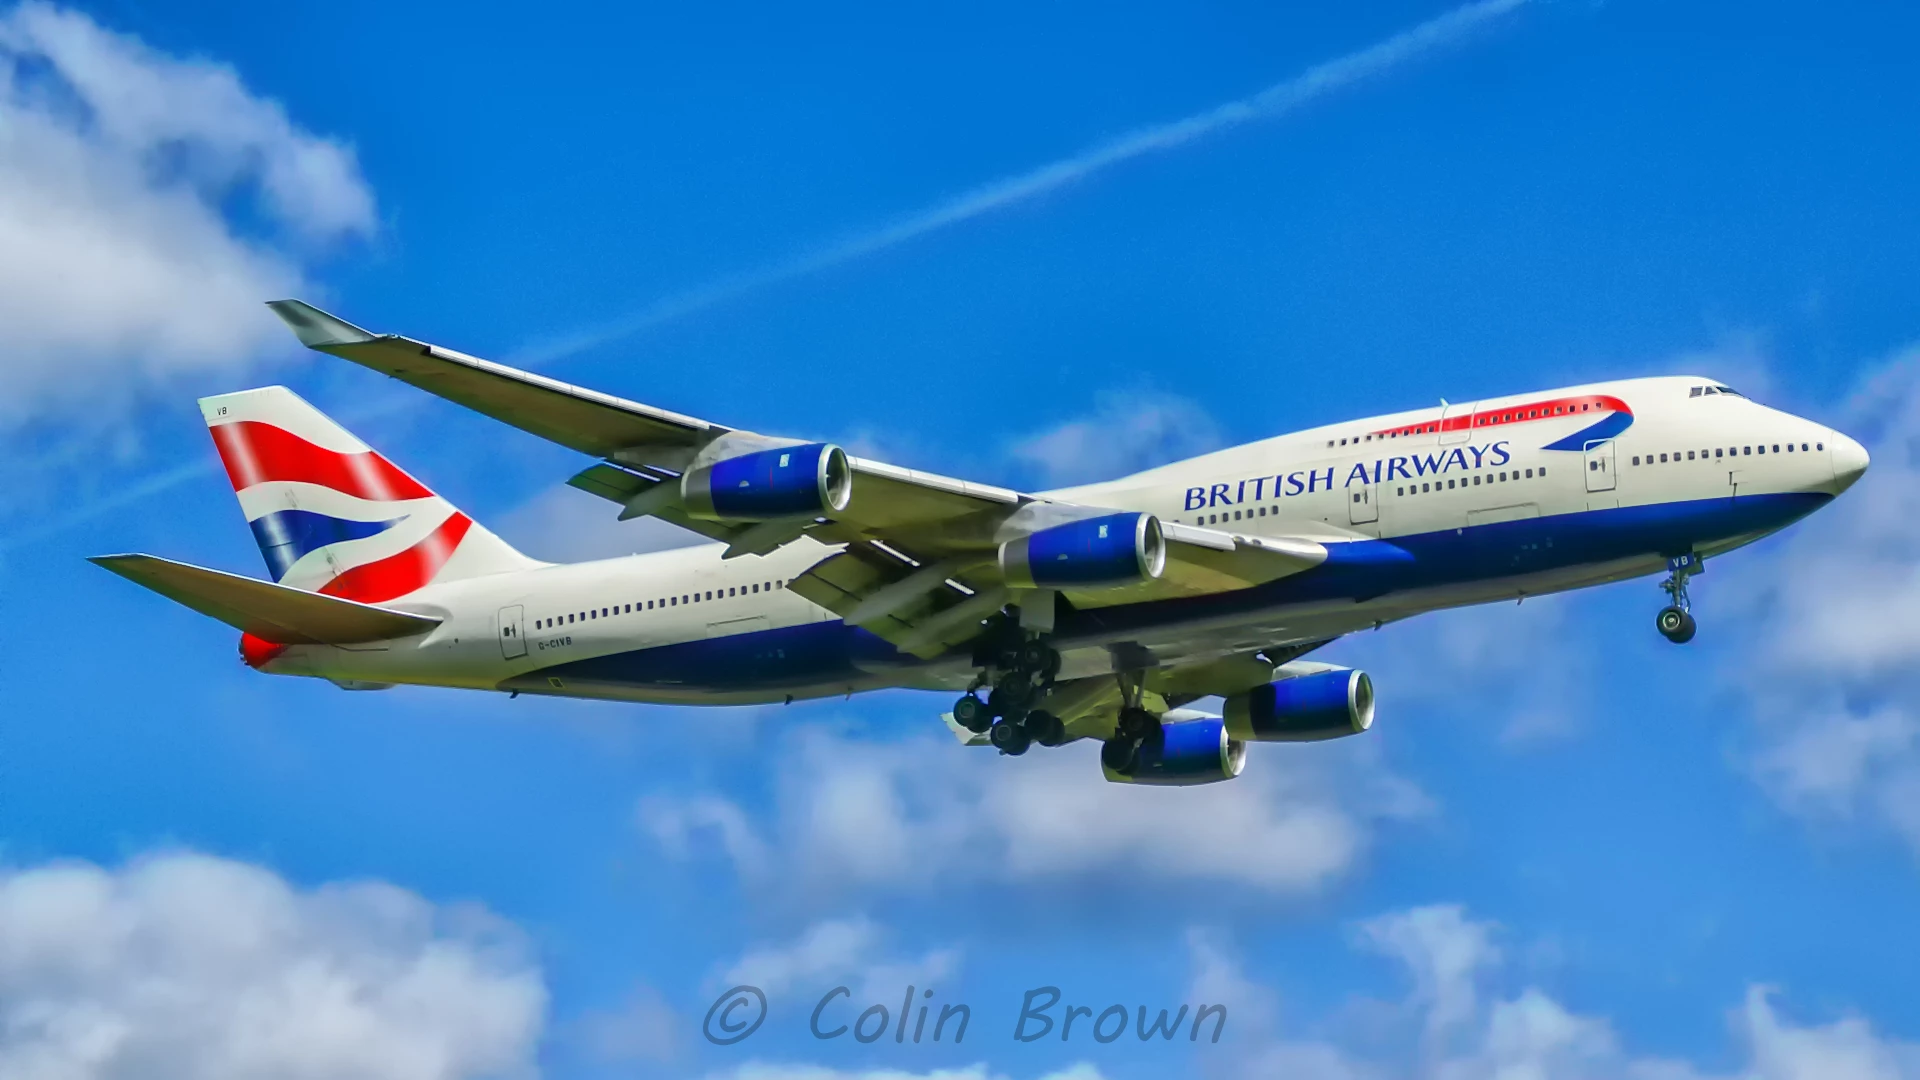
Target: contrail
{"type": "Point", "coordinates": [1275, 101]}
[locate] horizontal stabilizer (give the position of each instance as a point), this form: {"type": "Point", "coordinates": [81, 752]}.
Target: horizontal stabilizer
{"type": "Point", "coordinates": [270, 612]}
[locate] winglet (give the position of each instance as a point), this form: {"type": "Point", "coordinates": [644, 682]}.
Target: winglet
{"type": "Point", "coordinates": [315, 328]}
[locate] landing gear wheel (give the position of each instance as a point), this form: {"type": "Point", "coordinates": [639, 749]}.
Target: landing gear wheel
{"type": "Point", "coordinates": [972, 713]}
{"type": "Point", "coordinates": [1007, 699]}
{"type": "Point", "coordinates": [1046, 728]}
{"type": "Point", "coordinates": [1010, 738]}
{"type": "Point", "coordinates": [1119, 755]}
{"type": "Point", "coordinates": [1040, 658]}
{"type": "Point", "coordinates": [1134, 723]}
{"type": "Point", "coordinates": [1676, 625]}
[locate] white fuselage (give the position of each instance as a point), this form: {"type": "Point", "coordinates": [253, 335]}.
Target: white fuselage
{"type": "Point", "coordinates": [1490, 500]}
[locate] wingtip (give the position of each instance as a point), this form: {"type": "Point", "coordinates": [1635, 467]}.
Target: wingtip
{"type": "Point", "coordinates": [315, 328]}
{"type": "Point", "coordinates": [117, 564]}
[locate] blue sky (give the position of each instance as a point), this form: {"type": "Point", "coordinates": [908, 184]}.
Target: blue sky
{"type": "Point", "coordinates": [1566, 849]}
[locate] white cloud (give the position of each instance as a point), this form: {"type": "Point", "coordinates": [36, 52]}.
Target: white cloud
{"type": "Point", "coordinates": [1126, 433]}
{"type": "Point", "coordinates": [1444, 951]}
{"type": "Point", "coordinates": [1847, 1049]}
{"type": "Point", "coordinates": [834, 951]}
{"type": "Point", "coordinates": [1827, 630]}
{"type": "Point", "coordinates": [1453, 1029]}
{"type": "Point", "coordinates": [912, 813]}
{"type": "Point", "coordinates": [117, 166]}
{"type": "Point", "coordinates": [184, 965]}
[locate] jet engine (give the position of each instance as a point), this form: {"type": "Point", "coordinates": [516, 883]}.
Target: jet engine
{"type": "Point", "coordinates": [1324, 704]}
{"type": "Point", "coordinates": [802, 480]}
{"type": "Point", "coordinates": [1193, 749]}
{"type": "Point", "coordinates": [1114, 549]}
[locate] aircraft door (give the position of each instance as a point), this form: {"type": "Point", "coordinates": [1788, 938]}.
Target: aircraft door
{"type": "Point", "coordinates": [1361, 508]}
{"type": "Point", "coordinates": [1600, 465]}
{"type": "Point", "coordinates": [1456, 424]}
{"type": "Point", "coordinates": [513, 642]}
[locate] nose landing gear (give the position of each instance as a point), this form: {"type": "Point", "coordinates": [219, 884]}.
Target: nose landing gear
{"type": "Point", "coordinates": [1675, 621]}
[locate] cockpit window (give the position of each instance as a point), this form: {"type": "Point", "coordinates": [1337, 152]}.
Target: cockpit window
{"type": "Point", "coordinates": [1728, 390]}
{"type": "Point", "coordinates": [1700, 391]}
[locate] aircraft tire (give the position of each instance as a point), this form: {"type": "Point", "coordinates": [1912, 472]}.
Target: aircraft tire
{"type": "Point", "coordinates": [972, 713]}
{"type": "Point", "coordinates": [1010, 738]}
{"type": "Point", "coordinates": [1046, 728]}
{"type": "Point", "coordinates": [1676, 625]}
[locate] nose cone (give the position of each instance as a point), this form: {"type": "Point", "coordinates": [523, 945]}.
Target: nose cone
{"type": "Point", "coordinates": [1849, 461]}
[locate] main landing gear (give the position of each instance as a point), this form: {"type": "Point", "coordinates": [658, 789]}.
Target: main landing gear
{"type": "Point", "coordinates": [1675, 621]}
{"type": "Point", "coordinates": [1136, 730]}
{"type": "Point", "coordinates": [1017, 669]}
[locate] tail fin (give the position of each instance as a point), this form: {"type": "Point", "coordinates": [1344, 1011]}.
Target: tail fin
{"type": "Point", "coordinates": [332, 516]}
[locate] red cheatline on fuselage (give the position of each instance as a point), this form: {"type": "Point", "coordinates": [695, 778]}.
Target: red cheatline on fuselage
{"type": "Point", "coordinates": [1512, 414]}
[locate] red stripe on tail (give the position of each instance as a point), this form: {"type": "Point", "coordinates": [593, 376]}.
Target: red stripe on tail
{"type": "Point", "coordinates": [255, 453]}
{"type": "Point", "coordinates": [398, 575]}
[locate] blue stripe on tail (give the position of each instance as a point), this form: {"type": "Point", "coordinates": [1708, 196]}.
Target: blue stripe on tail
{"type": "Point", "coordinates": [286, 535]}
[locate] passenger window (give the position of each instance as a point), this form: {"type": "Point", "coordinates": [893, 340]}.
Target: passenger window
{"type": "Point", "coordinates": [1820, 446]}
{"type": "Point", "coordinates": [1689, 455]}
{"type": "Point", "coordinates": [1399, 491]}
{"type": "Point", "coordinates": [1529, 474]}
{"type": "Point", "coordinates": [1543, 470]}
{"type": "Point", "coordinates": [1747, 451]}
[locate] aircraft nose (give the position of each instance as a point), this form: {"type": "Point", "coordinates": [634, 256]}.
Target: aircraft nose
{"type": "Point", "coordinates": [1849, 461]}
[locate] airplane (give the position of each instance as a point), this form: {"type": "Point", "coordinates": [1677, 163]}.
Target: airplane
{"type": "Point", "coordinates": [1099, 612]}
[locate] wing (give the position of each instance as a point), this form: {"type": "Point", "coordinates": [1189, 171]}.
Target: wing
{"type": "Point", "coordinates": [915, 552]}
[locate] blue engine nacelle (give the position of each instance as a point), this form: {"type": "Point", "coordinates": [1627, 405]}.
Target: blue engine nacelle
{"type": "Point", "coordinates": [1116, 549]}
{"type": "Point", "coordinates": [1324, 704]}
{"type": "Point", "coordinates": [787, 481]}
{"type": "Point", "coordinates": [1194, 750]}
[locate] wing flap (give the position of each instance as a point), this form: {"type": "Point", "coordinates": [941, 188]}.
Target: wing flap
{"type": "Point", "coordinates": [276, 613]}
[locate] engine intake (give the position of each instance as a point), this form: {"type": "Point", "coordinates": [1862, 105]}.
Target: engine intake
{"type": "Point", "coordinates": [1116, 549]}
{"type": "Point", "coordinates": [1192, 751]}
{"type": "Point", "coordinates": [1319, 705]}
{"type": "Point", "coordinates": [787, 481]}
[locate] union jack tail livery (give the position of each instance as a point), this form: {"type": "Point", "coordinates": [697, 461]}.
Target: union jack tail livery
{"type": "Point", "coordinates": [334, 517]}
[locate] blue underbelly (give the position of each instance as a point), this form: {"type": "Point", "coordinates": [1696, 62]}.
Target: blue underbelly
{"type": "Point", "coordinates": [817, 653]}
